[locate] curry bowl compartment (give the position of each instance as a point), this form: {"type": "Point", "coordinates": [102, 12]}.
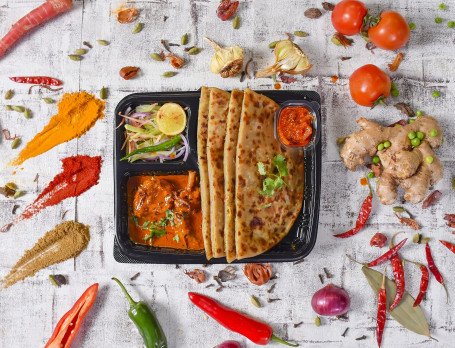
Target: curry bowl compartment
{"type": "Point", "coordinates": [297, 244]}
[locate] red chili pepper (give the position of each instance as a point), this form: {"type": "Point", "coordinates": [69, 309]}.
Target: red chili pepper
{"type": "Point", "coordinates": [434, 269]}
{"type": "Point", "coordinates": [382, 309]}
{"type": "Point", "coordinates": [37, 80]}
{"type": "Point", "coordinates": [398, 274]}
{"type": "Point", "coordinates": [383, 258]}
{"type": "Point", "coordinates": [67, 327]}
{"type": "Point", "coordinates": [449, 246]}
{"type": "Point", "coordinates": [365, 212]}
{"type": "Point", "coordinates": [423, 282]}
{"type": "Point", "coordinates": [227, 9]}
{"type": "Point", "coordinates": [255, 331]}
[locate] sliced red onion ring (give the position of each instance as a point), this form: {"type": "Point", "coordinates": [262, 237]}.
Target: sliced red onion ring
{"type": "Point", "coordinates": [187, 147]}
{"type": "Point", "coordinates": [140, 114]}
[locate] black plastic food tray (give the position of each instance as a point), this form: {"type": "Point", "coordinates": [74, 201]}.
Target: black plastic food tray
{"type": "Point", "coordinates": [297, 244]}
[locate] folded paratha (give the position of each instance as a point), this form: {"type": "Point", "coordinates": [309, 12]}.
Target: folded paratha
{"type": "Point", "coordinates": [218, 111]}
{"type": "Point", "coordinates": [258, 226]}
{"type": "Point", "coordinates": [230, 146]}
{"type": "Point", "coordinates": [202, 128]}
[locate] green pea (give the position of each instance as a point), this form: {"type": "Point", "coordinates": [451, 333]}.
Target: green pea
{"type": "Point", "coordinates": [415, 142]}
{"type": "Point", "coordinates": [394, 86]}
{"type": "Point", "coordinates": [381, 146]}
{"type": "Point", "coordinates": [429, 159]}
{"type": "Point", "coordinates": [451, 24]}
{"type": "Point", "coordinates": [387, 144]}
{"type": "Point", "coordinates": [370, 175]}
{"type": "Point", "coordinates": [438, 20]}
{"type": "Point", "coordinates": [412, 26]}
{"type": "Point", "coordinates": [442, 7]}
{"type": "Point", "coordinates": [418, 113]}
{"type": "Point", "coordinates": [420, 135]}
{"type": "Point", "coordinates": [433, 133]}
{"type": "Point", "coordinates": [435, 94]}
{"type": "Point", "coordinates": [411, 120]}
{"type": "Point", "coordinates": [395, 93]}
{"type": "Point", "coordinates": [412, 135]}
{"type": "Point", "coordinates": [375, 159]}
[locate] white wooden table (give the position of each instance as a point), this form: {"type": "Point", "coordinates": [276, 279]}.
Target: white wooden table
{"type": "Point", "coordinates": [30, 309]}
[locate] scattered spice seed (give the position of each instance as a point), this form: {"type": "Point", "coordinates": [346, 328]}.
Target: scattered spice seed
{"type": "Point", "coordinates": [255, 301]}
{"type": "Point", "coordinates": [177, 266]}
{"type": "Point", "coordinates": [134, 277]}
{"type": "Point", "coordinates": [137, 28]}
{"type": "Point", "coordinates": [246, 68]}
{"type": "Point", "coordinates": [18, 108]}
{"type": "Point", "coordinates": [210, 285]}
{"type": "Point", "coordinates": [328, 6]}
{"type": "Point", "coordinates": [271, 288]}
{"type": "Point", "coordinates": [75, 57]}
{"type": "Point", "coordinates": [361, 338]}
{"type": "Point", "coordinates": [194, 50]}
{"type": "Point", "coordinates": [165, 18]}
{"type": "Point", "coordinates": [273, 44]}
{"type": "Point", "coordinates": [27, 114]}
{"type": "Point", "coordinates": [327, 274]}
{"type": "Point", "coordinates": [168, 74]}
{"type": "Point", "coordinates": [242, 76]}
{"type": "Point", "coordinates": [313, 13]}
{"type": "Point", "coordinates": [236, 22]}
{"type": "Point", "coordinates": [219, 289]}
{"type": "Point", "coordinates": [15, 143]}
{"type": "Point", "coordinates": [270, 300]}
{"type": "Point", "coordinates": [64, 214]}
{"type": "Point", "coordinates": [298, 324]}
{"type": "Point", "coordinates": [217, 280]}
{"type": "Point", "coordinates": [15, 208]}
{"type": "Point", "coordinates": [170, 44]}
{"type": "Point", "coordinates": [48, 100]}
{"type": "Point", "coordinates": [156, 56]}
{"type": "Point", "coordinates": [341, 140]}
{"type": "Point", "coordinates": [321, 278]}
{"type": "Point", "coordinates": [396, 62]}
{"type": "Point", "coordinates": [36, 177]}
{"type": "Point", "coordinates": [317, 321]}
{"type": "Point", "coordinates": [102, 42]}
{"type": "Point", "coordinates": [299, 261]}
{"type": "Point", "coordinates": [300, 33]}
{"type": "Point", "coordinates": [87, 44]}
{"type": "Point", "coordinates": [345, 332]}
{"type": "Point", "coordinates": [103, 93]}
{"type": "Point", "coordinates": [9, 94]}
{"type": "Point", "coordinates": [184, 39]}
{"type": "Point", "coordinates": [80, 51]}
{"type": "Point", "coordinates": [345, 58]}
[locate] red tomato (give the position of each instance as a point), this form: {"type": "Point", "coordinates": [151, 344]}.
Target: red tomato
{"type": "Point", "coordinates": [368, 83]}
{"type": "Point", "coordinates": [347, 16]}
{"type": "Point", "coordinates": [391, 33]}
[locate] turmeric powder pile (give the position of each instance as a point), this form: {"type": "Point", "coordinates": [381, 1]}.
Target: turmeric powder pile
{"type": "Point", "coordinates": [77, 113]}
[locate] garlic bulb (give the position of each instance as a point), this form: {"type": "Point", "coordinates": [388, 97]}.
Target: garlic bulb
{"type": "Point", "coordinates": [227, 61]}
{"type": "Point", "coordinates": [289, 59]}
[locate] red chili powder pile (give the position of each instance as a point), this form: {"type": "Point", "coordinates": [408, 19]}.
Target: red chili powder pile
{"type": "Point", "coordinates": [79, 174]}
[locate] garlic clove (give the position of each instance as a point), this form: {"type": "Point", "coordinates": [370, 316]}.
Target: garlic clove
{"type": "Point", "coordinates": [227, 61]}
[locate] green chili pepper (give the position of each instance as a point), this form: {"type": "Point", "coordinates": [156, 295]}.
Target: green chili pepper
{"type": "Point", "coordinates": [163, 146]}
{"type": "Point", "coordinates": [146, 322]}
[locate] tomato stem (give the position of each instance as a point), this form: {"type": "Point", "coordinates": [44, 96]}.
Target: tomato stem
{"type": "Point", "coordinates": [380, 100]}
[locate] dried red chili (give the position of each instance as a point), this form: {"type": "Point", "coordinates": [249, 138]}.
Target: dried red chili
{"type": "Point", "coordinates": [382, 308]}
{"type": "Point", "coordinates": [365, 212]}
{"type": "Point", "coordinates": [127, 15]}
{"type": "Point", "coordinates": [383, 258]}
{"type": "Point", "coordinates": [432, 199]}
{"type": "Point", "coordinates": [423, 282]}
{"type": "Point", "coordinates": [434, 269]}
{"type": "Point", "coordinates": [226, 9]}
{"type": "Point", "coordinates": [128, 72]}
{"type": "Point", "coordinates": [448, 245]}
{"type": "Point", "coordinates": [37, 80]}
{"type": "Point", "coordinates": [398, 274]}
{"type": "Point", "coordinates": [378, 240]}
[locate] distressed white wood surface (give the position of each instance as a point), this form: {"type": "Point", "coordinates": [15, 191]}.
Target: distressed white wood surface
{"type": "Point", "coordinates": [30, 310]}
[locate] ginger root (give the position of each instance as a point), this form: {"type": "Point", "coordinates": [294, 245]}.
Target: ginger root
{"type": "Point", "coordinates": [403, 164]}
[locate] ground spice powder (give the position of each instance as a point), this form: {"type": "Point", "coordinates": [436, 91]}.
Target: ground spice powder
{"type": "Point", "coordinates": [77, 113]}
{"type": "Point", "coordinates": [79, 174]}
{"type": "Point", "coordinates": [65, 241]}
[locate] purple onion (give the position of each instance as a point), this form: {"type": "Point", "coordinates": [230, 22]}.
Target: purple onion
{"type": "Point", "coordinates": [229, 344]}
{"type": "Point", "coordinates": [187, 147]}
{"type": "Point", "coordinates": [140, 114]}
{"type": "Point", "coordinates": [331, 300]}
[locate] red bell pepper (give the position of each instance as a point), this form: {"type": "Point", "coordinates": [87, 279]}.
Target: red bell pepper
{"type": "Point", "coordinates": [254, 330]}
{"type": "Point", "coordinates": [67, 327]}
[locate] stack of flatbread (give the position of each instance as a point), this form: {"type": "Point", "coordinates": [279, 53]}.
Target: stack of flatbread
{"type": "Point", "coordinates": [235, 132]}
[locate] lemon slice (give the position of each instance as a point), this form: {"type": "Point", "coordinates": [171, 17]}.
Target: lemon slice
{"type": "Point", "coordinates": [171, 119]}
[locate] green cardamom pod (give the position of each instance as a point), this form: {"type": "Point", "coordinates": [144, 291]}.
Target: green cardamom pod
{"type": "Point", "coordinates": [236, 22]}
{"type": "Point", "coordinates": [18, 108]}
{"type": "Point", "coordinates": [75, 57]}
{"type": "Point", "coordinates": [317, 321]}
{"type": "Point", "coordinates": [341, 140]}
{"type": "Point", "coordinates": [300, 33]}
{"type": "Point", "coordinates": [425, 240]}
{"type": "Point", "coordinates": [48, 100]}
{"type": "Point", "coordinates": [194, 50]}
{"type": "Point", "coordinates": [102, 42]}
{"type": "Point", "coordinates": [255, 301]}
{"type": "Point", "coordinates": [18, 193]}
{"type": "Point", "coordinates": [399, 209]}
{"type": "Point", "coordinates": [80, 51]}
{"type": "Point", "coordinates": [103, 93]}
{"type": "Point", "coordinates": [156, 56]}
{"type": "Point", "coordinates": [336, 41]}
{"type": "Point", "coordinates": [9, 107]}
{"type": "Point", "coordinates": [416, 238]}
{"type": "Point", "coordinates": [137, 28]}
{"type": "Point", "coordinates": [168, 74]}
{"type": "Point", "coordinates": [184, 39]}
{"type": "Point", "coordinates": [27, 114]}
{"type": "Point", "coordinates": [11, 186]}
{"type": "Point", "coordinates": [15, 143]}
{"type": "Point", "coordinates": [9, 94]}
{"type": "Point", "coordinates": [273, 44]}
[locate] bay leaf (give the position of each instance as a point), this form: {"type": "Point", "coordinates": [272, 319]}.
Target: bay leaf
{"type": "Point", "coordinates": [412, 318]}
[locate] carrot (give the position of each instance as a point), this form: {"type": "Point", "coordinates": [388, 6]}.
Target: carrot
{"type": "Point", "coordinates": [41, 14]}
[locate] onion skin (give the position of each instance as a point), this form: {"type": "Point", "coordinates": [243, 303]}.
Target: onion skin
{"type": "Point", "coordinates": [331, 300]}
{"type": "Point", "coordinates": [229, 344]}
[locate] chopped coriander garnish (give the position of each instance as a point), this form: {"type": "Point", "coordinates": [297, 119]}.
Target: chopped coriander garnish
{"type": "Point", "coordinates": [146, 224]}
{"type": "Point", "coordinates": [176, 238]}
{"type": "Point", "coordinates": [267, 205]}
{"type": "Point", "coordinates": [154, 233]}
{"type": "Point", "coordinates": [269, 185]}
{"type": "Point", "coordinates": [133, 218]}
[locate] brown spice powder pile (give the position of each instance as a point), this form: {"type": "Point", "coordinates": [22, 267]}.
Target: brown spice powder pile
{"type": "Point", "coordinates": [65, 241]}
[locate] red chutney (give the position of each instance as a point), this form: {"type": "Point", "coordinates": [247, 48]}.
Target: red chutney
{"type": "Point", "coordinates": [170, 203]}
{"type": "Point", "coordinates": [295, 126]}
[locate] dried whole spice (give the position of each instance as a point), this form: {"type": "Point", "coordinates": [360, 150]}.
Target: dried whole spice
{"type": "Point", "coordinates": [87, 44]}
{"type": "Point", "coordinates": [126, 15]}
{"type": "Point", "coordinates": [44, 86]}
{"type": "Point", "coordinates": [396, 62]}
{"type": "Point", "coordinates": [226, 9]}
{"type": "Point", "coordinates": [345, 58]}
{"type": "Point", "coordinates": [328, 6]}
{"type": "Point", "coordinates": [128, 72]}
{"type": "Point", "coordinates": [378, 240]}
{"type": "Point", "coordinates": [370, 46]}
{"type": "Point", "coordinates": [176, 62]}
{"type": "Point", "coordinates": [408, 221]}
{"type": "Point", "coordinates": [246, 68]}
{"type": "Point", "coordinates": [405, 109]}
{"type": "Point", "coordinates": [257, 273]}
{"type": "Point", "coordinates": [286, 79]}
{"type": "Point", "coordinates": [432, 199]}
{"type": "Point", "coordinates": [313, 13]}
{"type": "Point", "coordinates": [342, 39]}
{"type": "Point", "coordinates": [450, 218]}
{"type": "Point", "coordinates": [198, 275]}
{"type": "Point", "coordinates": [227, 274]}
